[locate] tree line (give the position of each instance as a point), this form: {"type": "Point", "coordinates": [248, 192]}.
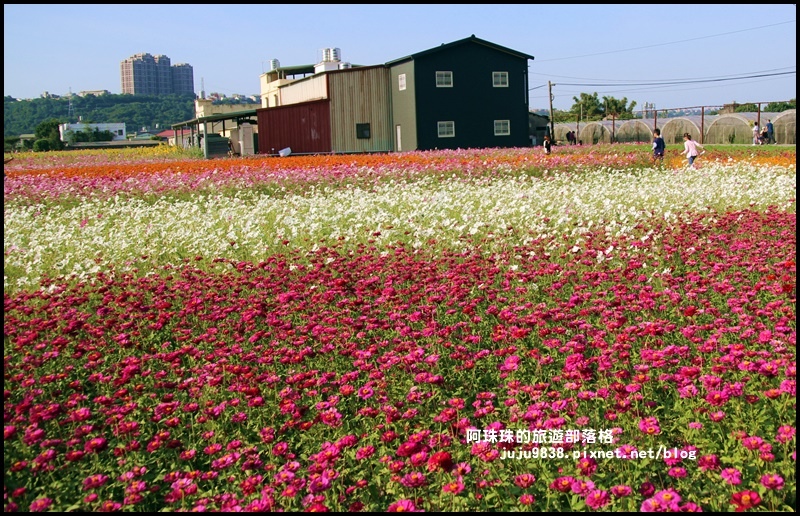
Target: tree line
{"type": "Point", "coordinates": [591, 108]}
{"type": "Point", "coordinates": [136, 111]}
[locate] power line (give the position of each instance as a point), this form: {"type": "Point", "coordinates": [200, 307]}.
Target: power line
{"type": "Point", "coordinates": [668, 83]}
{"type": "Point", "coordinates": [660, 80]}
{"type": "Point", "coordinates": [668, 43]}
{"type": "Point", "coordinates": [672, 82]}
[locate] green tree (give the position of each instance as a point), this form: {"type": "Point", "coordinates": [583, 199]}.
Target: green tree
{"type": "Point", "coordinates": [746, 108]}
{"type": "Point", "coordinates": [776, 107]}
{"type": "Point", "coordinates": [10, 143]}
{"type": "Point", "coordinates": [587, 106]}
{"type": "Point", "coordinates": [42, 145]}
{"type": "Point", "coordinates": [136, 111]}
{"type": "Point", "coordinates": [48, 130]}
{"type": "Point", "coordinates": [618, 108]}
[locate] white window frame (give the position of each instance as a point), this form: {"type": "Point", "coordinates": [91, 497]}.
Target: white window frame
{"type": "Point", "coordinates": [446, 129]}
{"type": "Point", "coordinates": [500, 79]}
{"type": "Point", "coordinates": [444, 79]}
{"type": "Point", "coordinates": [502, 127]}
{"type": "Point", "coordinates": [401, 82]}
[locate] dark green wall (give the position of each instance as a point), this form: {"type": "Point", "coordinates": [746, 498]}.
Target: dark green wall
{"type": "Point", "coordinates": [472, 103]}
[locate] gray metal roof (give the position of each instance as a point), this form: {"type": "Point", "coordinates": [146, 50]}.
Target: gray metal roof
{"type": "Point", "coordinates": [235, 115]}
{"type": "Point", "coordinates": [472, 38]}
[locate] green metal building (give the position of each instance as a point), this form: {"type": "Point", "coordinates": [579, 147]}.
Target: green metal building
{"type": "Point", "coordinates": [470, 93]}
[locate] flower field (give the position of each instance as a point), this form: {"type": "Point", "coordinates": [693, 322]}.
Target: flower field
{"type": "Point", "coordinates": [471, 330]}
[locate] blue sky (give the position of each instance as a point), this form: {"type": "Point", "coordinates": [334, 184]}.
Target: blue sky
{"type": "Point", "coordinates": [580, 48]}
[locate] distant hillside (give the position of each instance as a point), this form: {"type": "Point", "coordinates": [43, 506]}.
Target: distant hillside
{"type": "Point", "coordinates": [136, 111]}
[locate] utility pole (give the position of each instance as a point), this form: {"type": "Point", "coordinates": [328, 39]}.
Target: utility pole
{"type": "Point", "coordinates": [552, 124]}
{"type": "Point", "coordinates": [70, 112]}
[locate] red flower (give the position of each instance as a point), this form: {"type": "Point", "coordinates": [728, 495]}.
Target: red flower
{"type": "Point", "coordinates": [440, 459]}
{"type": "Point", "coordinates": [744, 500]}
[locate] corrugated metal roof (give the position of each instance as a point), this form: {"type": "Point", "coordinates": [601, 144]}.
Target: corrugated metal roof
{"type": "Point", "coordinates": [215, 118]}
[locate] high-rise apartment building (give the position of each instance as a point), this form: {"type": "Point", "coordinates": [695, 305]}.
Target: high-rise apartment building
{"type": "Point", "coordinates": [145, 74]}
{"type": "Point", "coordinates": [182, 78]}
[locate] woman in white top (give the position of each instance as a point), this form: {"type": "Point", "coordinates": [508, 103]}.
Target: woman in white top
{"type": "Point", "coordinates": [691, 148]}
{"type": "Point", "coordinates": [756, 134]}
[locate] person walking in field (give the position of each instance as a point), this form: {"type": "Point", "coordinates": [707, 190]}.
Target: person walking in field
{"type": "Point", "coordinates": [770, 132]}
{"type": "Point", "coordinates": [756, 133]}
{"type": "Point", "coordinates": [547, 144]}
{"type": "Point", "coordinates": [691, 149]}
{"type": "Point", "coordinates": [658, 147]}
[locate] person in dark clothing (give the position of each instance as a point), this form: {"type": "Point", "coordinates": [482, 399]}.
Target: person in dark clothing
{"type": "Point", "coordinates": [547, 144]}
{"type": "Point", "coordinates": [770, 132]}
{"type": "Point", "coordinates": [658, 147]}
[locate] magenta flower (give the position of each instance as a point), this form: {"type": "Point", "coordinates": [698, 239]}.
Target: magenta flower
{"type": "Point", "coordinates": [365, 452]}
{"type": "Point", "coordinates": [525, 480]}
{"type": "Point", "coordinates": [365, 392]}
{"type": "Point", "coordinates": [649, 426]}
{"type": "Point", "coordinates": [403, 505]}
{"type": "Point", "coordinates": [562, 484]}
{"type": "Point", "coordinates": [708, 462]}
{"type": "Point", "coordinates": [94, 481]}
{"type": "Point", "coordinates": [621, 490]}
{"type": "Point", "coordinates": [668, 498]}
{"type": "Point", "coordinates": [752, 442]}
{"type": "Point", "coordinates": [41, 504]}
{"type": "Point", "coordinates": [772, 481]}
{"type": "Point", "coordinates": [677, 472]}
{"type": "Point", "coordinates": [413, 479]}
{"type": "Point", "coordinates": [647, 489]}
{"type": "Point", "coordinates": [785, 434]}
{"type": "Point", "coordinates": [582, 487]}
{"type": "Point", "coordinates": [454, 487]}
{"type": "Point", "coordinates": [732, 476]}
{"type": "Point", "coordinates": [319, 484]}
{"type": "Point", "coordinates": [597, 498]}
